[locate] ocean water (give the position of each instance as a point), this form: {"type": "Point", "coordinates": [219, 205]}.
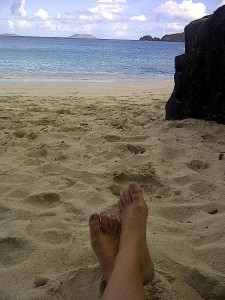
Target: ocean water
{"type": "Point", "coordinates": [61, 59]}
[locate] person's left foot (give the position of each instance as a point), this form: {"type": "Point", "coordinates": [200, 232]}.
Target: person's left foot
{"type": "Point", "coordinates": [105, 233]}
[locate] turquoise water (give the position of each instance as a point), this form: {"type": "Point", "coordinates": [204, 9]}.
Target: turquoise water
{"type": "Point", "coordinates": [35, 59]}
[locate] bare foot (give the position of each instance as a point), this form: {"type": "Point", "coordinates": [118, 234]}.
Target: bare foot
{"type": "Point", "coordinates": [133, 213]}
{"type": "Point", "coordinates": [105, 231]}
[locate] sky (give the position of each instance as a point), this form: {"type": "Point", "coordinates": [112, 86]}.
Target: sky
{"type": "Point", "coordinates": [106, 19]}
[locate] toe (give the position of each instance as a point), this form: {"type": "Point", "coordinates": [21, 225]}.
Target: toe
{"type": "Point", "coordinates": [116, 224]}
{"type": "Point", "coordinates": [135, 191]}
{"type": "Point", "coordinates": [127, 196]}
{"type": "Point", "coordinates": [104, 222]}
{"type": "Point", "coordinates": [94, 223]}
{"type": "Point", "coordinates": [134, 188]}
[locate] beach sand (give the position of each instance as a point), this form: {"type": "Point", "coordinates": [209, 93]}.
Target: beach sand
{"type": "Point", "coordinates": [66, 151]}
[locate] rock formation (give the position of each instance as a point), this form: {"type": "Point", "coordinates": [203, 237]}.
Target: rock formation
{"type": "Point", "coordinates": [149, 38]}
{"type": "Point", "coordinates": [82, 36]}
{"type": "Point", "coordinates": [8, 35]}
{"type": "Point", "coordinates": [175, 37]}
{"type": "Point", "coordinates": [199, 90]}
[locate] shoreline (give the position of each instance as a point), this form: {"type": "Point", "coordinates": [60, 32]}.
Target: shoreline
{"type": "Point", "coordinates": [87, 88]}
{"type": "Point", "coordinates": [145, 93]}
{"type": "Point", "coordinates": [84, 79]}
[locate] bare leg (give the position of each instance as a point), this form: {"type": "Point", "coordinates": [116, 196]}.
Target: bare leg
{"type": "Point", "coordinates": [126, 281]}
{"type": "Point", "coordinates": [104, 231]}
{"type": "Point", "coordinates": [147, 267]}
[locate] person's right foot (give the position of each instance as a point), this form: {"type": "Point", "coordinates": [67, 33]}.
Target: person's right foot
{"type": "Point", "coordinates": [133, 213]}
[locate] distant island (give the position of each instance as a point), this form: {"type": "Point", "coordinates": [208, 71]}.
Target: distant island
{"type": "Point", "coordinates": [8, 34]}
{"type": "Point", "coordinates": [175, 37]}
{"type": "Point", "coordinates": [82, 36]}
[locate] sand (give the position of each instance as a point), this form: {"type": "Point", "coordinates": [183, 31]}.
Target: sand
{"type": "Point", "coordinates": [66, 151]}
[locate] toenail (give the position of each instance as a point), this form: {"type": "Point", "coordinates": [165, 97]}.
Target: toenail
{"type": "Point", "coordinates": [134, 188]}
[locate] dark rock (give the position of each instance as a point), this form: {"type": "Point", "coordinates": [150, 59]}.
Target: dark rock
{"type": "Point", "coordinates": [199, 90]}
{"type": "Point", "coordinates": [146, 38]}
{"type": "Point", "coordinates": [174, 37]}
{"type": "Point", "coordinates": [180, 62]}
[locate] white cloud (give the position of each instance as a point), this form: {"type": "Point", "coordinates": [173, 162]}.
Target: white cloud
{"type": "Point", "coordinates": [11, 25]}
{"type": "Point", "coordinates": [140, 18]}
{"type": "Point", "coordinates": [42, 14]}
{"type": "Point", "coordinates": [49, 25]}
{"type": "Point", "coordinates": [106, 11]}
{"type": "Point", "coordinates": [185, 11]}
{"type": "Point", "coordinates": [84, 17]}
{"type": "Point", "coordinates": [18, 8]}
{"type": "Point", "coordinates": [174, 27]}
{"type": "Point", "coordinates": [23, 24]}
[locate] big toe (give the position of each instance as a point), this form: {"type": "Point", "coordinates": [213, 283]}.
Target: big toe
{"type": "Point", "coordinates": [135, 191]}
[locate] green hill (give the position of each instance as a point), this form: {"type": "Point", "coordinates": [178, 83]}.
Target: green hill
{"type": "Point", "coordinates": [175, 37]}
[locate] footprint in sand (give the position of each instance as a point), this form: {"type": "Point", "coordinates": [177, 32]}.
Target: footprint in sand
{"type": "Point", "coordinates": [198, 165]}
{"type": "Point", "coordinates": [44, 200]}
{"type": "Point", "coordinates": [14, 250]}
{"type": "Point", "coordinates": [49, 231]}
{"type": "Point", "coordinates": [172, 153]}
{"type": "Point", "coordinates": [144, 178]}
{"type": "Point", "coordinates": [32, 136]}
{"type": "Point", "coordinates": [183, 180]}
{"type": "Point", "coordinates": [210, 285]}
{"type": "Point", "coordinates": [39, 282]}
{"type": "Point", "coordinates": [176, 213]}
{"type": "Point", "coordinates": [202, 187]}
{"type": "Point", "coordinates": [209, 138]}
{"type": "Point", "coordinates": [20, 133]}
{"type": "Point", "coordinates": [136, 149]}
